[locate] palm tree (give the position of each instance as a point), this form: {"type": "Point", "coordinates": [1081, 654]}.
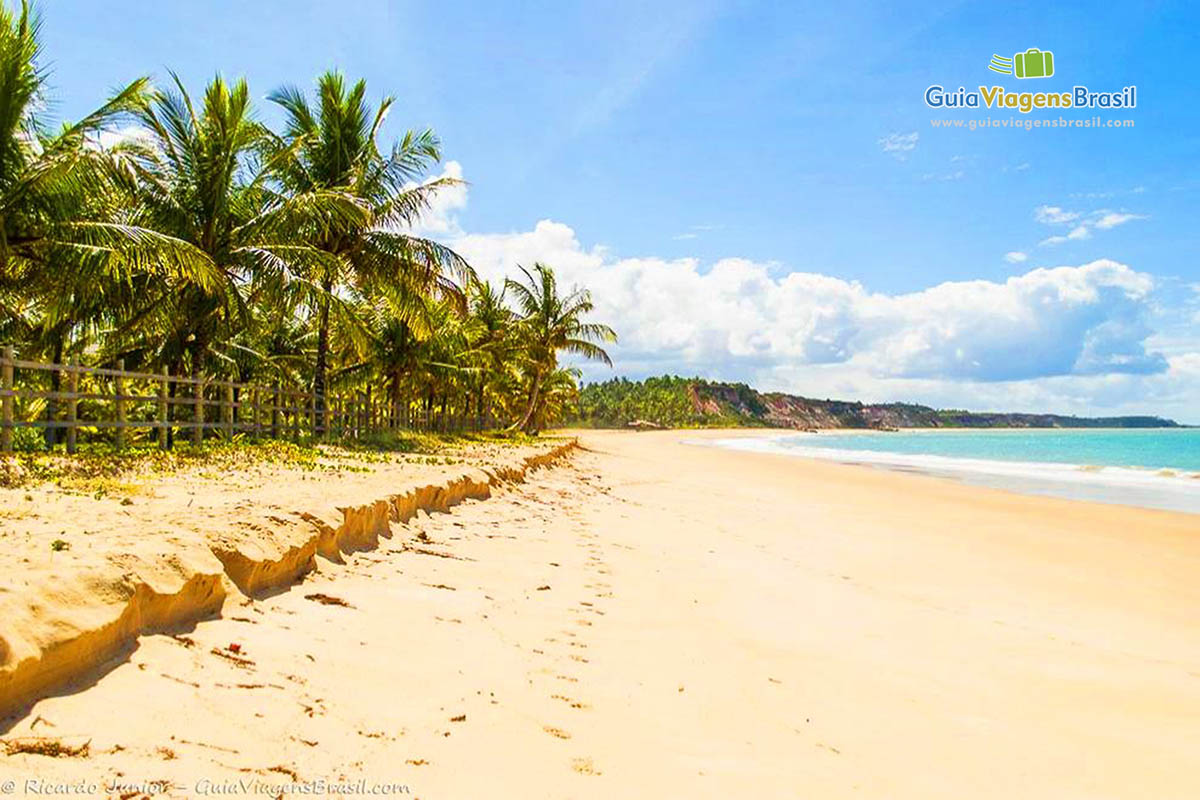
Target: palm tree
{"type": "Point", "coordinates": [560, 394]}
{"type": "Point", "coordinates": [334, 147]}
{"type": "Point", "coordinates": [66, 241]}
{"type": "Point", "coordinates": [491, 341]}
{"type": "Point", "coordinates": [390, 356]}
{"type": "Point", "coordinates": [204, 177]}
{"type": "Point", "coordinates": [551, 323]}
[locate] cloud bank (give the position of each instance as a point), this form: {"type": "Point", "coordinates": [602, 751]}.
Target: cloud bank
{"type": "Point", "coordinates": [1082, 320]}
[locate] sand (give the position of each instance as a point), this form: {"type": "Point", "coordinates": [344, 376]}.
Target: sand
{"type": "Point", "coordinates": [652, 618]}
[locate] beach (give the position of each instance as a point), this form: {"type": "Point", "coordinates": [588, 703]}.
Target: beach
{"type": "Point", "coordinates": [647, 616]}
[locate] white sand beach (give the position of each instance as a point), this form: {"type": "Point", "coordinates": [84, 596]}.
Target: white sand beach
{"type": "Point", "coordinates": [654, 619]}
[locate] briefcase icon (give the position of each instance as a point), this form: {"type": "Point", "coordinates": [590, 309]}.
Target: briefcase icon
{"type": "Point", "coordinates": [1034, 63]}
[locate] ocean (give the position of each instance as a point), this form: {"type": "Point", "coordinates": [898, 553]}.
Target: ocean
{"type": "Point", "coordinates": [1158, 468]}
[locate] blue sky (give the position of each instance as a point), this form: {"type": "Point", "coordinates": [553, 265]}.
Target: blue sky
{"type": "Point", "coordinates": [696, 155]}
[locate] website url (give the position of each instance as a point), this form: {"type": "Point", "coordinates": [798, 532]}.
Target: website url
{"type": "Point", "coordinates": [1025, 123]}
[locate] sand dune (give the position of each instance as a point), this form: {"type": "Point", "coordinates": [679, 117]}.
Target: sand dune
{"type": "Point", "coordinates": [657, 619]}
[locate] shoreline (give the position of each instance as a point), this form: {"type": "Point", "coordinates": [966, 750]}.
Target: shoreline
{"type": "Point", "coordinates": [653, 619]}
{"type": "Point", "coordinates": [1164, 487]}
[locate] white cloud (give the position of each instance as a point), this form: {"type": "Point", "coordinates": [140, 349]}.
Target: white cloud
{"type": "Point", "coordinates": [899, 144]}
{"type": "Point", "coordinates": [1016, 257]}
{"type": "Point", "coordinates": [1076, 233]}
{"type": "Point", "coordinates": [1112, 219]}
{"type": "Point", "coordinates": [674, 315]}
{"type": "Point", "coordinates": [1053, 215]}
{"type": "Point", "coordinates": [956, 175]}
{"type": "Point", "coordinates": [441, 219]}
{"type": "Point", "coordinates": [1102, 219]}
{"type": "Point", "coordinates": [680, 237]}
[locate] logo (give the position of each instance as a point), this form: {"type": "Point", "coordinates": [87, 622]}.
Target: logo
{"type": "Point", "coordinates": [1033, 63]}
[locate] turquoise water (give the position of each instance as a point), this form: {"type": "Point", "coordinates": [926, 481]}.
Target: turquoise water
{"type": "Point", "coordinates": [1149, 468]}
{"type": "Point", "coordinates": [1149, 449]}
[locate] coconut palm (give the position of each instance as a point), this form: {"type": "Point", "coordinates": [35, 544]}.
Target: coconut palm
{"type": "Point", "coordinates": [66, 240]}
{"type": "Point", "coordinates": [204, 178]}
{"type": "Point", "coordinates": [334, 146]}
{"type": "Point", "coordinates": [560, 396]}
{"type": "Point", "coordinates": [550, 323]}
{"type": "Point", "coordinates": [492, 344]}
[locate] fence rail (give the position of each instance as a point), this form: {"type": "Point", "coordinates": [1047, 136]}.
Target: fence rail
{"type": "Point", "coordinates": [177, 403]}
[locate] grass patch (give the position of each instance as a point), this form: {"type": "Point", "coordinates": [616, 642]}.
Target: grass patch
{"type": "Point", "coordinates": [102, 471]}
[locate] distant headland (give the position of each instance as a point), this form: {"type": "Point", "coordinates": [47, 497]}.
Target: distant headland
{"type": "Point", "coordinates": [675, 402]}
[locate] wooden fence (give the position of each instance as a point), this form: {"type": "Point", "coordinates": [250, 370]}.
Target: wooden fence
{"type": "Point", "coordinates": [121, 402]}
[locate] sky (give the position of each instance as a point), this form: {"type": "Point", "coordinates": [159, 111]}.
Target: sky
{"type": "Point", "coordinates": [756, 191]}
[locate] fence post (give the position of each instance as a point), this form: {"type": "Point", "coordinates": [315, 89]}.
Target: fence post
{"type": "Point", "coordinates": [72, 402]}
{"type": "Point", "coordinates": [254, 423]}
{"type": "Point", "coordinates": [119, 388]}
{"type": "Point", "coordinates": [312, 410]}
{"type": "Point", "coordinates": [275, 413]}
{"type": "Point", "coordinates": [198, 412]}
{"type": "Point", "coordinates": [164, 412]}
{"type": "Point", "coordinates": [227, 410]}
{"type": "Point", "coordinates": [6, 403]}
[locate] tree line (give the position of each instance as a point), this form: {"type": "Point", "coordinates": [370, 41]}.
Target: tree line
{"type": "Point", "coordinates": [178, 231]}
{"type": "Point", "coordinates": [667, 400]}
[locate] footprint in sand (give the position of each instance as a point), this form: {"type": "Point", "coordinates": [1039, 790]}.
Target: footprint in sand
{"type": "Point", "coordinates": [572, 703]}
{"type": "Point", "coordinates": [584, 766]}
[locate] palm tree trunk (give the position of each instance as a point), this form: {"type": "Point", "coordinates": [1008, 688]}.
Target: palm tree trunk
{"type": "Point", "coordinates": [479, 404]}
{"type": "Point", "coordinates": [199, 353]}
{"type": "Point", "coordinates": [322, 359]}
{"type": "Point", "coordinates": [526, 423]}
{"type": "Point", "coordinates": [397, 420]}
{"type": "Point", "coordinates": [199, 356]}
{"type": "Point", "coordinates": [172, 390]}
{"type": "Point", "coordinates": [51, 434]}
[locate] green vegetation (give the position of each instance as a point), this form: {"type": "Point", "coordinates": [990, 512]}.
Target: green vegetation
{"type": "Point", "coordinates": [176, 231]}
{"type": "Point", "coordinates": [99, 470]}
{"type": "Point", "coordinates": [669, 401]}
{"type": "Point", "coordinates": [676, 402]}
